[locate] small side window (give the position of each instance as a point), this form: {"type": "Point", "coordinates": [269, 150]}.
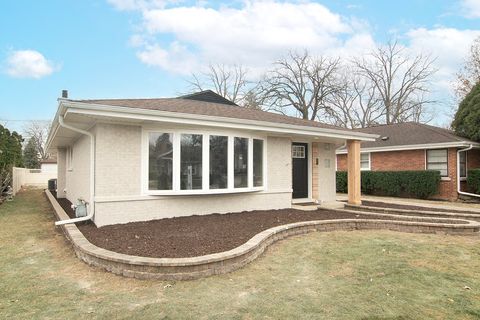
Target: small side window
{"type": "Point", "coordinates": [365, 161]}
{"type": "Point", "coordinates": [69, 160]}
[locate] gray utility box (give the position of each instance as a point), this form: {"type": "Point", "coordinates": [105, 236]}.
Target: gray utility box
{"type": "Point", "coordinates": [80, 209]}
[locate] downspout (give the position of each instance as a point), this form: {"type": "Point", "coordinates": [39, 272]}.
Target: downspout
{"type": "Point", "coordinates": [458, 174]}
{"type": "Point", "coordinates": [91, 205]}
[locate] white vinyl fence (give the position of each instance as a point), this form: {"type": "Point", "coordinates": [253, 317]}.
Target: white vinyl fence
{"type": "Point", "coordinates": [30, 177]}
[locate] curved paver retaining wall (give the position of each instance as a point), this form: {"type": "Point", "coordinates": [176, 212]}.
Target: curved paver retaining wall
{"type": "Point", "coordinates": [220, 263]}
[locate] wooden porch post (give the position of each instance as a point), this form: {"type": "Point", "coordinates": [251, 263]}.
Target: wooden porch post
{"type": "Point", "coordinates": [353, 164]}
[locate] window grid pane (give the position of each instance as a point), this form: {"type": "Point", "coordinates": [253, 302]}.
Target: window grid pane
{"type": "Point", "coordinates": [191, 161]}
{"type": "Point", "coordinates": [438, 160]}
{"type": "Point", "coordinates": [160, 164]}
{"type": "Point", "coordinates": [218, 162]}
{"type": "Point", "coordinates": [257, 163]}
{"type": "Point", "coordinates": [240, 163]}
{"type": "Point", "coordinates": [364, 161]}
{"type": "Point", "coordinates": [298, 151]}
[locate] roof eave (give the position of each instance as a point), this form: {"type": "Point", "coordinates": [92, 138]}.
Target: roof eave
{"type": "Point", "coordinates": [453, 144]}
{"type": "Point", "coordinates": [54, 126]}
{"type": "Point", "coordinates": [148, 114]}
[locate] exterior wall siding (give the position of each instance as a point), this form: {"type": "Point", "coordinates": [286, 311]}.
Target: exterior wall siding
{"type": "Point", "coordinates": [117, 160]}
{"type": "Point", "coordinates": [398, 160]}
{"type": "Point", "coordinates": [118, 182]}
{"type": "Point", "coordinates": [323, 172]}
{"type": "Point", "coordinates": [77, 182]}
{"type": "Point", "coordinates": [61, 172]}
{"type": "Point", "coordinates": [448, 187]}
{"type": "Point", "coordinates": [473, 159]}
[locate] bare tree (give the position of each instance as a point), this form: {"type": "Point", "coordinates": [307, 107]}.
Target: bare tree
{"type": "Point", "coordinates": [228, 81]}
{"type": "Point", "coordinates": [38, 130]}
{"type": "Point", "coordinates": [469, 74]}
{"type": "Point", "coordinates": [400, 81]}
{"type": "Point", "coordinates": [301, 82]}
{"type": "Point", "coordinates": [355, 104]}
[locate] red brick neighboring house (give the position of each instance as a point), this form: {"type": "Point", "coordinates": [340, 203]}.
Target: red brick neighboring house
{"type": "Point", "coordinates": [414, 146]}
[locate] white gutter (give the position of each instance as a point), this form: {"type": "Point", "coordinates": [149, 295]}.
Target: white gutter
{"type": "Point", "coordinates": [416, 147]}
{"type": "Point", "coordinates": [458, 173]}
{"type": "Point", "coordinates": [91, 204]}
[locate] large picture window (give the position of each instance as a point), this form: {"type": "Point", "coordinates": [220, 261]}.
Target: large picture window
{"type": "Point", "coordinates": [240, 165]}
{"type": "Point", "coordinates": [179, 162]}
{"type": "Point", "coordinates": [438, 160]}
{"type": "Point", "coordinates": [160, 161]}
{"type": "Point", "coordinates": [218, 162]}
{"type": "Point", "coordinates": [191, 161]}
{"type": "Point", "coordinates": [257, 163]}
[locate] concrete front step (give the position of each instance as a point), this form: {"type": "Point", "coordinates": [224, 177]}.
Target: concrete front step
{"type": "Point", "coordinates": [414, 212]}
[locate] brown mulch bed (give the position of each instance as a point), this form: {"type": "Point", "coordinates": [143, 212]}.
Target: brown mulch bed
{"type": "Point", "coordinates": [380, 204]}
{"type": "Point", "coordinates": [195, 235]}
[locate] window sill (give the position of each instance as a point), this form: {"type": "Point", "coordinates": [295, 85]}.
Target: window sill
{"type": "Point", "coordinates": [201, 192]}
{"type": "Point", "coordinates": [463, 179]}
{"type": "Point", "coordinates": [445, 179]}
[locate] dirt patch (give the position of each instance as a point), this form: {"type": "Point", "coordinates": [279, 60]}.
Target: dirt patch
{"type": "Point", "coordinates": [408, 207]}
{"type": "Point", "coordinates": [194, 235]}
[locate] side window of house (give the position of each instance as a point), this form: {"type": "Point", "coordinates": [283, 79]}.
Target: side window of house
{"type": "Point", "coordinates": [438, 160]}
{"type": "Point", "coordinates": [69, 160]}
{"type": "Point", "coordinates": [365, 161]}
{"type": "Point", "coordinates": [463, 164]}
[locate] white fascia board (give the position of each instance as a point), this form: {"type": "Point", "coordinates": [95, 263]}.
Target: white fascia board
{"type": "Point", "coordinates": [416, 147]}
{"type": "Point", "coordinates": [194, 119]}
{"type": "Point", "coordinates": [54, 126]}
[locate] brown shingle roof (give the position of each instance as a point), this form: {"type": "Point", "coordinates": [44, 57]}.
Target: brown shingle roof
{"type": "Point", "coordinates": [409, 133]}
{"type": "Point", "coordinates": [192, 106]}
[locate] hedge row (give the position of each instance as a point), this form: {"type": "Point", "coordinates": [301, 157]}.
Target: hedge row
{"type": "Point", "coordinates": [416, 184]}
{"type": "Point", "coordinates": [473, 180]}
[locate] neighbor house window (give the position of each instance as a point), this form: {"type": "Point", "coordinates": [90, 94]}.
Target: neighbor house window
{"type": "Point", "coordinates": [218, 162]}
{"type": "Point", "coordinates": [191, 161]}
{"type": "Point", "coordinates": [240, 163]}
{"type": "Point", "coordinates": [463, 164]}
{"type": "Point", "coordinates": [257, 163]}
{"type": "Point", "coordinates": [365, 161]}
{"type": "Point", "coordinates": [160, 161]}
{"type": "Point", "coordinates": [438, 160]}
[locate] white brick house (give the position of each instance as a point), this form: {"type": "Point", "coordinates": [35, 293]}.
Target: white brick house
{"type": "Point", "coordinates": [144, 159]}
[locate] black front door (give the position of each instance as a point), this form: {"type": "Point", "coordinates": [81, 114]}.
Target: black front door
{"type": "Point", "coordinates": [300, 170]}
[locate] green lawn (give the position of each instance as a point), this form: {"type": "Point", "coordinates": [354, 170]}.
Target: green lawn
{"type": "Point", "coordinates": [339, 275]}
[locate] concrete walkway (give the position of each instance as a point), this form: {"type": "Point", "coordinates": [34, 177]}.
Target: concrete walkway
{"type": "Point", "coordinates": [418, 202]}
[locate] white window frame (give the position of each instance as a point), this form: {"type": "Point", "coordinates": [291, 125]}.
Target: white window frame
{"type": "Point", "coordinates": [296, 153]}
{"type": "Point", "coordinates": [443, 178]}
{"type": "Point", "coordinates": [176, 139]}
{"type": "Point", "coordinates": [369, 161]}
